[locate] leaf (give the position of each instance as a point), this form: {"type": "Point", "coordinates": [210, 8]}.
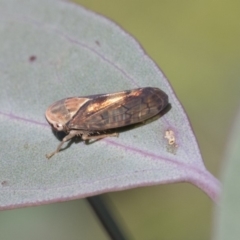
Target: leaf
{"type": "Point", "coordinates": [227, 215]}
{"type": "Point", "coordinates": [52, 50]}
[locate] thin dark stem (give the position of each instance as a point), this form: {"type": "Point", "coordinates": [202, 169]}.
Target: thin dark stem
{"type": "Point", "coordinates": [105, 217]}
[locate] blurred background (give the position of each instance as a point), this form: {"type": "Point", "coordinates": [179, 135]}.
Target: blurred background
{"type": "Point", "coordinates": [196, 44]}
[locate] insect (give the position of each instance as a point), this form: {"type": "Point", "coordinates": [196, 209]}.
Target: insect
{"type": "Point", "coordinates": [91, 116]}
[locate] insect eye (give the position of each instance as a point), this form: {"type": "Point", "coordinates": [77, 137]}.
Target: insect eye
{"type": "Point", "coordinates": [58, 126]}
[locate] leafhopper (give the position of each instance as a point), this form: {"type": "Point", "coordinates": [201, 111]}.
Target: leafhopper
{"type": "Point", "coordinates": [90, 117]}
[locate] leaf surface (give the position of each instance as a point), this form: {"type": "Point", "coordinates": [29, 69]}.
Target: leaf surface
{"type": "Point", "coordinates": [52, 50]}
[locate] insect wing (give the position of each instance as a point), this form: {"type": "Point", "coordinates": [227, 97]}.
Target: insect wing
{"type": "Point", "coordinates": [115, 110]}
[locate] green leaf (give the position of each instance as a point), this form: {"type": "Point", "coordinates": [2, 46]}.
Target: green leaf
{"type": "Point", "coordinates": [228, 212]}
{"type": "Point", "coordinates": [52, 50]}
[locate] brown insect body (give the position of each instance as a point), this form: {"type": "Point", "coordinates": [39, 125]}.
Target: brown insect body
{"type": "Point", "coordinates": [97, 113]}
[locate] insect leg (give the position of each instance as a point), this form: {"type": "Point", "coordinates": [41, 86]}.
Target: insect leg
{"type": "Point", "coordinates": [65, 139]}
{"type": "Point", "coordinates": [87, 137]}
